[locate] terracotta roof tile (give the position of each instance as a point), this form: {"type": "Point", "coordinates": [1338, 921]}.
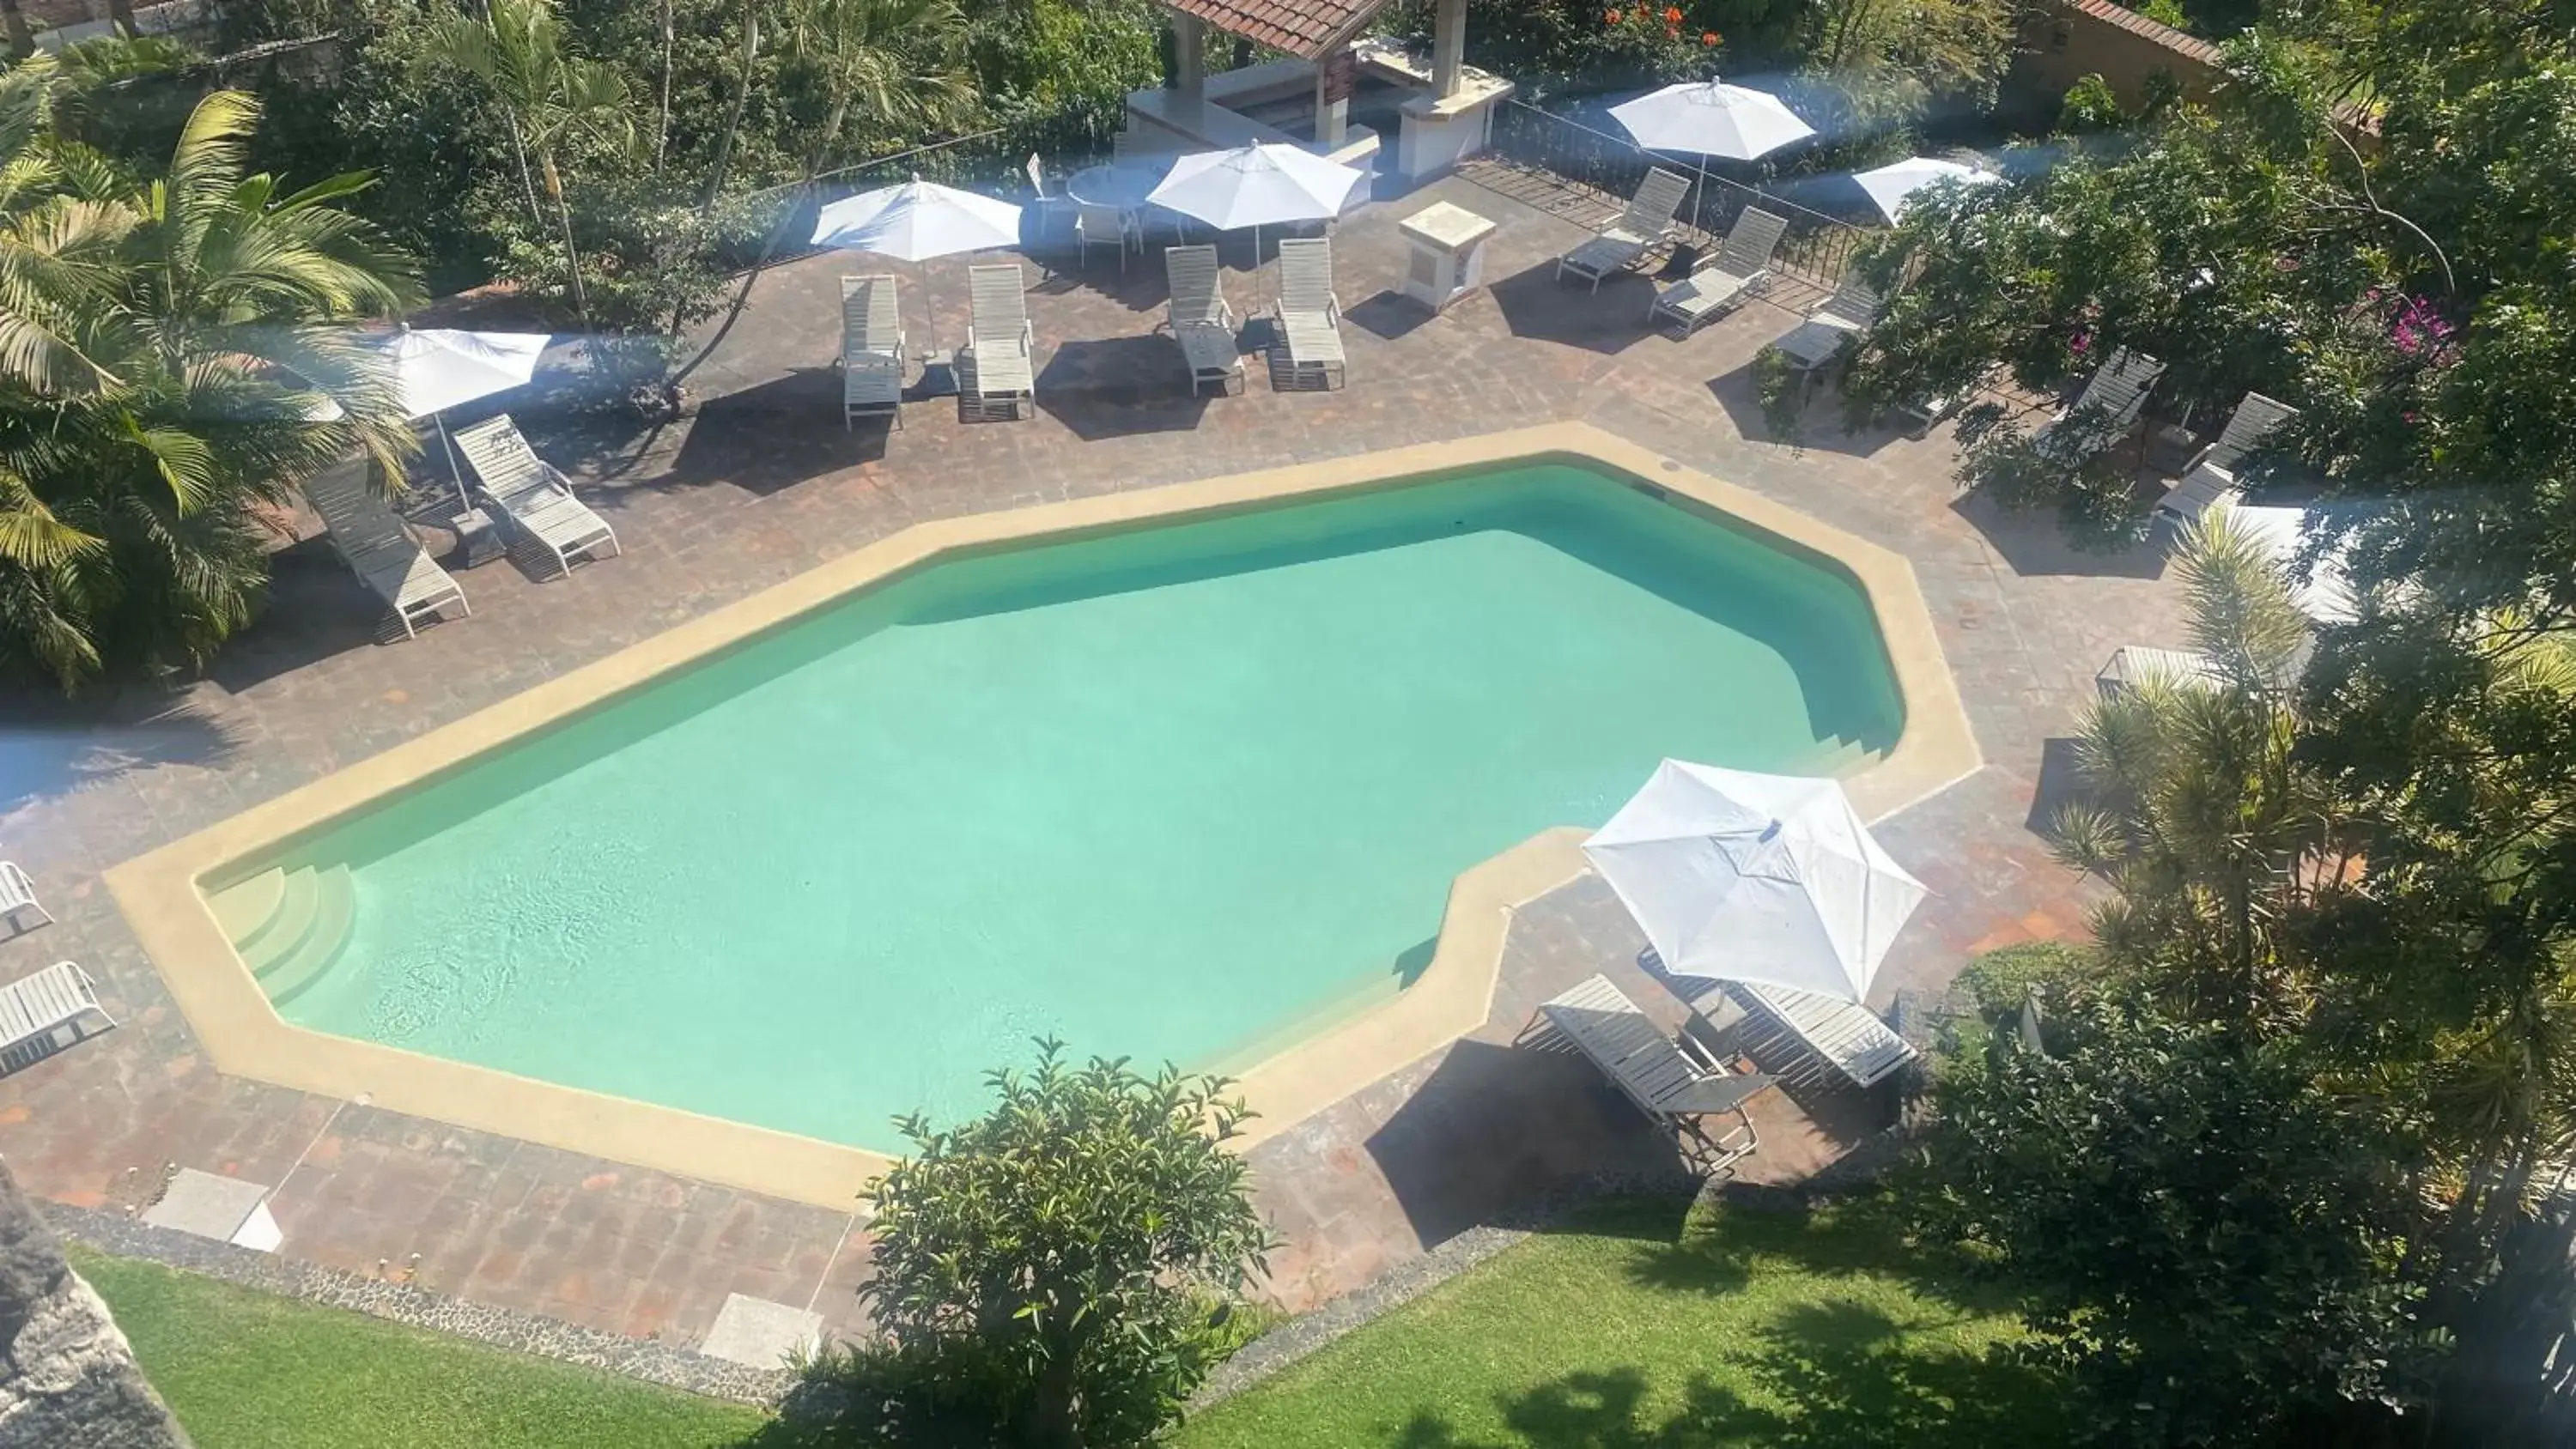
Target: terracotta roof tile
{"type": "Point", "coordinates": [2155, 30]}
{"type": "Point", "coordinates": [1303, 28]}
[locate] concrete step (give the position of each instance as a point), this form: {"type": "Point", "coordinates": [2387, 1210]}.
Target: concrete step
{"type": "Point", "coordinates": [335, 906]}
{"type": "Point", "coordinates": [246, 909]}
{"type": "Point", "coordinates": [287, 928]}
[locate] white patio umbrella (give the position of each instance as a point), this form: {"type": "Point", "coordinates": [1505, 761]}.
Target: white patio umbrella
{"type": "Point", "coordinates": [1889, 186]}
{"type": "Point", "coordinates": [1711, 118]}
{"type": "Point", "coordinates": [1761, 878]}
{"type": "Point", "coordinates": [435, 368]}
{"type": "Point", "coordinates": [915, 222]}
{"type": "Point", "coordinates": [1264, 184]}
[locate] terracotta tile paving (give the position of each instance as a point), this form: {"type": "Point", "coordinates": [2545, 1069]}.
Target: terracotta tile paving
{"type": "Point", "coordinates": [762, 484]}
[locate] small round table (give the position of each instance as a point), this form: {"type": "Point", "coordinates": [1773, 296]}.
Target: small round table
{"type": "Point", "coordinates": [1122, 184]}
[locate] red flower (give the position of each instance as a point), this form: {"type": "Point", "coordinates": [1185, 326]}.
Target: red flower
{"type": "Point", "coordinates": [1609, 17]}
{"type": "Point", "coordinates": [1672, 15]}
{"type": "Point", "coordinates": [1672, 32]}
{"type": "Point", "coordinates": [1708, 37]}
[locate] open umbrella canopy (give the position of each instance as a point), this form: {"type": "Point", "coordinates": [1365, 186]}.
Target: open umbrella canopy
{"type": "Point", "coordinates": [1761, 878]}
{"type": "Point", "coordinates": [1889, 186]}
{"type": "Point", "coordinates": [436, 368]}
{"type": "Point", "coordinates": [1267, 184]}
{"type": "Point", "coordinates": [917, 221]}
{"type": "Point", "coordinates": [1711, 118]}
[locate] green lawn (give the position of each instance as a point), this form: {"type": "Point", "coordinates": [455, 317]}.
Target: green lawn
{"type": "Point", "coordinates": [1637, 1331]}
{"type": "Point", "coordinates": [247, 1370]}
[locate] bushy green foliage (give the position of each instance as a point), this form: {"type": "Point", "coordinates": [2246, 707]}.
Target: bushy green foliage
{"type": "Point", "coordinates": [2090, 105]}
{"type": "Point", "coordinates": [2209, 1241]}
{"type": "Point", "coordinates": [1044, 1272]}
{"type": "Point", "coordinates": [1997, 982]}
{"type": "Point", "coordinates": [170, 339]}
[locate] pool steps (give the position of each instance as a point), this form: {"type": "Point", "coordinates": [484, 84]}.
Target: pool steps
{"type": "Point", "coordinates": [289, 925]}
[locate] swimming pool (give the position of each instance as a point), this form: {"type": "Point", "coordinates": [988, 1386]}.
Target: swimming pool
{"type": "Point", "coordinates": [1165, 792]}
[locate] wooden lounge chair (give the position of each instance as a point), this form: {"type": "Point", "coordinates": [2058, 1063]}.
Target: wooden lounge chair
{"type": "Point", "coordinates": [1200, 320]}
{"type": "Point", "coordinates": [532, 493]}
{"type": "Point", "coordinates": [17, 894]}
{"type": "Point", "coordinates": [2211, 476]}
{"type": "Point", "coordinates": [2135, 665]}
{"type": "Point", "coordinates": [2104, 412]}
{"type": "Point", "coordinates": [1310, 318]}
{"type": "Point", "coordinates": [372, 540]}
{"type": "Point", "coordinates": [36, 1013]}
{"type": "Point", "coordinates": [994, 367]}
{"type": "Point", "coordinates": [1674, 1089]}
{"type": "Point", "coordinates": [1645, 225]}
{"type": "Point", "coordinates": [1727, 277]}
{"type": "Point", "coordinates": [1850, 312]}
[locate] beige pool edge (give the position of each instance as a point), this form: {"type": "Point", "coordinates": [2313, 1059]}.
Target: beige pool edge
{"type": "Point", "coordinates": [243, 1035]}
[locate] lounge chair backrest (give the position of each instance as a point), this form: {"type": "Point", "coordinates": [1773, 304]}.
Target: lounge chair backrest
{"type": "Point", "coordinates": [999, 299]}
{"type": "Point", "coordinates": [1306, 275]}
{"type": "Point", "coordinates": [1195, 293]}
{"type": "Point", "coordinates": [2253, 419]}
{"type": "Point", "coordinates": [869, 316]}
{"type": "Point", "coordinates": [2118, 389]}
{"type": "Point", "coordinates": [1750, 242]}
{"type": "Point", "coordinates": [501, 458]}
{"type": "Point", "coordinates": [1854, 303]}
{"type": "Point", "coordinates": [1037, 176]}
{"type": "Point", "coordinates": [1658, 197]}
{"type": "Point", "coordinates": [359, 521]}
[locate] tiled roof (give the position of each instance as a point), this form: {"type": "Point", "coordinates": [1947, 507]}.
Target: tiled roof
{"type": "Point", "coordinates": [1303, 28]}
{"type": "Point", "coordinates": [2155, 30]}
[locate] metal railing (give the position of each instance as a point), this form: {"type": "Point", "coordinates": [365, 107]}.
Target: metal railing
{"type": "Point", "coordinates": [1817, 249]}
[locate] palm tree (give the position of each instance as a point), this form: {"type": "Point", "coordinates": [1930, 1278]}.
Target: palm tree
{"type": "Point", "coordinates": [897, 60]}
{"type": "Point", "coordinates": [2202, 820]}
{"type": "Point", "coordinates": [168, 352]}
{"type": "Point", "coordinates": [552, 97]}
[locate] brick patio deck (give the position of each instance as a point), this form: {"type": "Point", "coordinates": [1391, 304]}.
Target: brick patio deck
{"type": "Point", "coordinates": [764, 483]}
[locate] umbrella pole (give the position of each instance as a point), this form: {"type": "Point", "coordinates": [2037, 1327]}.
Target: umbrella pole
{"type": "Point", "coordinates": [455, 474]}
{"type": "Point", "coordinates": [1699, 197]}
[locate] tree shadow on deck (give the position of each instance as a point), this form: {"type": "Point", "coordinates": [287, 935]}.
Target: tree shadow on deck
{"type": "Point", "coordinates": [1117, 386]}
{"type": "Point", "coordinates": [774, 435]}
{"type": "Point", "coordinates": [1608, 321]}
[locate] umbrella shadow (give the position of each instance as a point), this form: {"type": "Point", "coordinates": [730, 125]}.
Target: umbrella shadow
{"type": "Point", "coordinates": [1609, 321]}
{"type": "Point", "coordinates": [775, 435]}
{"type": "Point", "coordinates": [1118, 386]}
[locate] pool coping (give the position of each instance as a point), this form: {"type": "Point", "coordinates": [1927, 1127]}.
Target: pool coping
{"type": "Point", "coordinates": [243, 1035]}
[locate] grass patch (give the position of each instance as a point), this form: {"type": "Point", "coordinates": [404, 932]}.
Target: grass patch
{"type": "Point", "coordinates": [1635, 1328]}
{"type": "Point", "coordinates": [250, 1370]}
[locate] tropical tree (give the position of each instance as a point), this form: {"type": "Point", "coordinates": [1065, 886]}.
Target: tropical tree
{"type": "Point", "coordinates": [1055, 1262]}
{"type": "Point", "coordinates": [174, 358]}
{"type": "Point", "coordinates": [552, 98]}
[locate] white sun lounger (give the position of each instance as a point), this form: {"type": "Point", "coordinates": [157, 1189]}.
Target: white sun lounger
{"type": "Point", "coordinates": [1653, 1071]}
{"type": "Point", "coordinates": [994, 367]}
{"type": "Point", "coordinates": [1641, 228]}
{"type": "Point", "coordinates": [37, 1012]}
{"type": "Point", "coordinates": [2103, 413]}
{"type": "Point", "coordinates": [871, 349]}
{"type": "Point", "coordinates": [1851, 311]}
{"type": "Point", "coordinates": [2212, 475]}
{"type": "Point", "coordinates": [531, 493]}
{"type": "Point", "coordinates": [1727, 278]}
{"type": "Point", "coordinates": [17, 893]}
{"type": "Point", "coordinates": [372, 540]}
{"type": "Point", "coordinates": [2134, 665]}
{"type": "Point", "coordinates": [1848, 1037]}
{"type": "Point", "coordinates": [1200, 320]}
{"type": "Point", "coordinates": [1310, 317]}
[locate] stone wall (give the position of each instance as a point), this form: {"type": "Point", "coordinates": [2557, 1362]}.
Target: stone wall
{"type": "Point", "coordinates": [2067, 40]}
{"type": "Point", "coordinates": [67, 1377]}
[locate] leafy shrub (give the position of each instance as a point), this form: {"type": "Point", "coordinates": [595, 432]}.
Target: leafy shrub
{"type": "Point", "coordinates": [2090, 106]}
{"type": "Point", "coordinates": [1998, 981]}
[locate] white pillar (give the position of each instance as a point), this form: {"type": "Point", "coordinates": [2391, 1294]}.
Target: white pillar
{"type": "Point", "coordinates": [1448, 47]}
{"type": "Point", "coordinates": [1333, 98]}
{"type": "Point", "coordinates": [1189, 51]}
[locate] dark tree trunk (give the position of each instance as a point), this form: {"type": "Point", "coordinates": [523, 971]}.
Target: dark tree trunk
{"type": "Point", "coordinates": [67, 1376]}
{"type": "Point", "coordinates": [22, 41]}
{"type": "Point", "coordinates": [120, 17]}
{"type": "Point", "coordinates": [2512, 1375]}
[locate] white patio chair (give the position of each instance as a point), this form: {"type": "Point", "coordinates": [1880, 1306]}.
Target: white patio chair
{"type": "Point", "coordinates": [995, 367]}
{"type": "Point", "coordinates": [1645, 225]}
{"type": "Point", "coordinates": [371, 538]}
{"type": "Point", "coordinates": [1309, 317]}
{"type": "Point", "coordinates": [1099, 225]}
{"type": "Point", "coordinates": [1850, 312]}
{"type": "Point", "coordinates": [1739, 269]}
{"type": "Point", "coordinates": [36, 1012]}
{"type": "Point", "coordinates": [17, 895]}
{"type": "Point", "coordinates": [532, 493]}
{"type": "Point", "coordinates": [1200, 320]}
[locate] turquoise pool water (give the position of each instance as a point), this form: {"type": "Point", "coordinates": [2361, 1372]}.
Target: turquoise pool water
{"type": "Point", "coordinates": [1160, 793]}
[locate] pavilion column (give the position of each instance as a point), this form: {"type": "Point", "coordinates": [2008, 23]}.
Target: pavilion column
{"type": "Point", "coordinates": [1189, 51]}
{"type": "Point", "coordinates": [1334, 76]}
{"type": "Point", "coordinates": [1448, 47]}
